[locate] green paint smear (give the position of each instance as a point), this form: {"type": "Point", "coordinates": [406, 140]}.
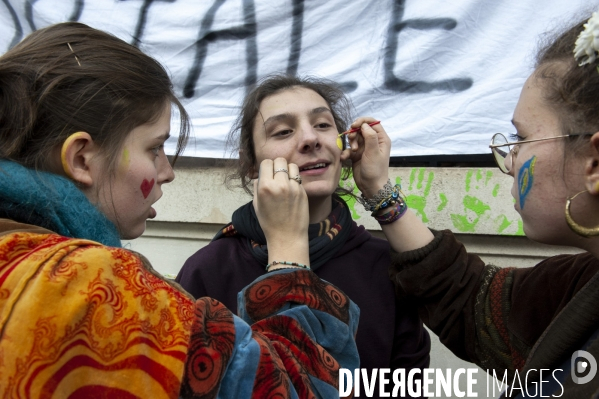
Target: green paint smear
{"type": "Point", "coordinates": [443, 204]}
{"type": "Point", "coordinates": [468, 180]}
{"type": "Point", "coordinates": [418, 202]}
{"type": "Point", "coordinates": [489, 175]}
{"type": "Point", "coordinates": [520, 231]}
{"type": "Point", "coordinates": [429, 183]}
{"type": "Point", "coordinates": [495, 190]}
{"type": "Point", "coordinates": [461, 222]}
{"type": "Point", "coordinates": [420, 179]}
{"type": "Point", "coordinates": [479, 175]}
{"type": "Point", "coordinates": [503, 223]}
{"type": "Point", "coordinates": [412, 177]}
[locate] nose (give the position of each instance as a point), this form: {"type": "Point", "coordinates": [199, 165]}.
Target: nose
{"type": "Point", "coordinates": [508, 162]}
{"type": "Point", "coordinates": [165, 170]}
{"type": "Point", "coordinates": [309, 139]}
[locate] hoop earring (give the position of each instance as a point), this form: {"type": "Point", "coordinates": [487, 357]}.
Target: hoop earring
{"type": "Point", "coordinates": [578, 229]}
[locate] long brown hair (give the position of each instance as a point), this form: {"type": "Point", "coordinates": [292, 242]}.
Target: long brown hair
{"type": "Point", "coordinates": [241, 140]}
{"type": "Point", "coordinates": [70, 77]}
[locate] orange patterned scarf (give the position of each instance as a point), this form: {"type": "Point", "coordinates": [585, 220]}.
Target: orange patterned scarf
{"type": "Point", "coordinates": [79, 320]}
{"type": "Point", "coordinates": [122, 321]}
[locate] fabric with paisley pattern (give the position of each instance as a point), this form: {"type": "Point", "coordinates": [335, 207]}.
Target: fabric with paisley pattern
{"type": "Point", "coordinates": [80, 319]}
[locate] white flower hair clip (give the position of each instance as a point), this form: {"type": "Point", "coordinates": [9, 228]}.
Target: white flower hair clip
{"type": "Point", "coordinates": [587, 44]}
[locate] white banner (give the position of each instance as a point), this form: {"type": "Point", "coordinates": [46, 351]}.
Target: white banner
{"type": "Point", "coordinates": [441, 76]}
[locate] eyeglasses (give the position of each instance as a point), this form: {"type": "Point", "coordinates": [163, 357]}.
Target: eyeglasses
{"type": "Point", "coordinates": [504, 158]}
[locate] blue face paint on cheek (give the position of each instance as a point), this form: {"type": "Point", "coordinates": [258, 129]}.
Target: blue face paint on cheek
{"type": "Point", "coordinates": [525, 179]}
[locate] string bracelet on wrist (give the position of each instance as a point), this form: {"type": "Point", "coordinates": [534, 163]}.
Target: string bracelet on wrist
{"type": "Point", "coordinates": [395, 212]}
{"type": "Point", "coordinates": [288, 265]}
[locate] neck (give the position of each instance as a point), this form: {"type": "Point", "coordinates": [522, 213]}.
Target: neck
{"type": "Point", "coordinates": [320, 208]}
{"type": "Point", "coordinates": [591, 245]}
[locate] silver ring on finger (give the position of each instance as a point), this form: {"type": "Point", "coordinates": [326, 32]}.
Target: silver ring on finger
{"type": "Point", "coordinates": [296, 178]}
{"type": "Point", "coordinates": [281, 170]}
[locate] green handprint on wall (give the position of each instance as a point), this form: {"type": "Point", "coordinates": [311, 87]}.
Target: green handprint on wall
{"type": "Point", "coordinates": [463, 222]}
{"type": "Point", "coordinates": [417, 202]}
{"type": "Point", "coordinates": [474, 208]}
{"type": "Point", "coordinates": [476, 204]}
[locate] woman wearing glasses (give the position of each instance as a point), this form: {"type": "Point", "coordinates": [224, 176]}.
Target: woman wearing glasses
{"type": "Point", "coordinates": [522, 320]}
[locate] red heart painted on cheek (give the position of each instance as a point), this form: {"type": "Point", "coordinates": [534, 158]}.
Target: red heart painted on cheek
{"type": "Point", "coordinates": [146, 187]}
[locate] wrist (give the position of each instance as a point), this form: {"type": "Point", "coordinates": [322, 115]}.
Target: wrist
{"type": "Point", "coordinates": [371, 190]}
{"type": "Point", "coordinates": [278, 265]}
{"type": "Point", "coordinates": [293, 251]}
{"type": "Point", "coordinates": [392, 213]}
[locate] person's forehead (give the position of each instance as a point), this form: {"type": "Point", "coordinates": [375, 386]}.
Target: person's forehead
{"type": "Point", "coordinates": [293, 98]}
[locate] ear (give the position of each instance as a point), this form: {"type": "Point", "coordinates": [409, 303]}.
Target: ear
{"type": "Point", "coordinates": [253, 171]}
{"type": "Point", "coordinates": [591, 170]}
{"type": "Point", "coordinates": [76, 156]}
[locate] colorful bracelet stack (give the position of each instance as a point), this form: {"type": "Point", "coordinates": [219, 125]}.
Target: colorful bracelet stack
{"type": "Point", "coordinates": [395, 212]}
{"type": "Point", "coordinates": [292, 265]}
{"type": "Point", "coordinates": [388, 198]}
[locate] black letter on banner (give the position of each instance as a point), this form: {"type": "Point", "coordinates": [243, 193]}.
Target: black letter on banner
{"type": "Point", "coordinates": [296, 37]}
{"type": "Point", "coordinates": [247, 32]}
{"type": "Point", "coordinates": [15, 20]}
{"type": "Point", "coordinates": [296, 45]}
{"type": "Point", "coordinates": [77, 11]}
{"type": "Point", "coordinates": [141, 21]}
{"type": "Point", "coordinates": [395, 27]}
{"type": "Point", "coordinates": [29, 12]}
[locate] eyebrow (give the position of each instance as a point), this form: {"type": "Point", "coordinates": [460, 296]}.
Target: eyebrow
{"type": "Point", "coordinates": [287, 115]}
{"type": "Point", "coordinates": [164, 136]}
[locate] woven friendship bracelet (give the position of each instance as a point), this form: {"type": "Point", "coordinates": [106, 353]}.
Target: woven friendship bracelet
{"type": "Point", "coordinates": [292, 264]}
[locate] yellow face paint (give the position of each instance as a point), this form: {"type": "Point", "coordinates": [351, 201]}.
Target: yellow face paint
{"type": "Point", "coordinates": [340, 142]}
{"type": "Point", "coordinates": [125, 159]}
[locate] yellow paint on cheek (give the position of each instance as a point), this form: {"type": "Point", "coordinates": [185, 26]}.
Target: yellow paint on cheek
{"type": "Point", "coordinates": [524, 182]}
{"type": "Point", "coordinates": [340, 143]}
{"type": "Point", "coordinates": [125, 159]}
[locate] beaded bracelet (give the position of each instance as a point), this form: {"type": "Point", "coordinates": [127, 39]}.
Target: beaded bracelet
{"type": "Point", "coordinates": [293, 264]}
{"type": "Point", "coordinates": [395, 212]}
{"type": "Point", "coordinates": [387, 196]}
{"type": "Point", "coordinates": [391, 200]}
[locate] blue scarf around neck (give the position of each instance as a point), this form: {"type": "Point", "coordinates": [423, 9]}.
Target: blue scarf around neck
{"type": "Point", "coordinates": [31, 195]}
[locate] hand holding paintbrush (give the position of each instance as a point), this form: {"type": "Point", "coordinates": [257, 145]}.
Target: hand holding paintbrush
{"type": "Point", "coordinates": [357, 129]}
{"type": "Point", "coordinates": [369, 152]}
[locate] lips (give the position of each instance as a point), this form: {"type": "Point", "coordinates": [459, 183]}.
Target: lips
{"type": "Point", "coordinates": [314, 166]}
